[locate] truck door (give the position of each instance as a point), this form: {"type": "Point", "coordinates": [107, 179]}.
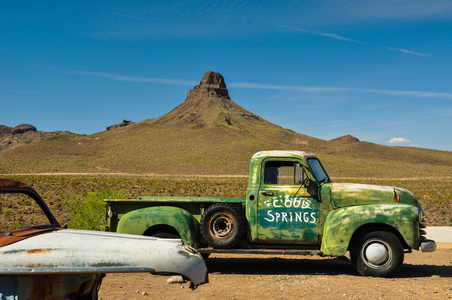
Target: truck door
{"type": "Point", "coordinates": [287, 211]}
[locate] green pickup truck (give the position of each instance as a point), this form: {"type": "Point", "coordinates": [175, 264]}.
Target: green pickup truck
{"type": "Point", "coordinates": [291, 207]}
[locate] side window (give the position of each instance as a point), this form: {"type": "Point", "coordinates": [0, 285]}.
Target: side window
{"type": "Point", "coordinates": [280, 173]}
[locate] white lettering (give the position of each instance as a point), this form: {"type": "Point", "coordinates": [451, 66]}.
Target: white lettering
{"type": "Point", "coordinates": [284, 217]}
{"type": "Point", "coordinates": [296, 202]}
{"type": "Point", "coordinates": [306, 204]}
{"type": "Point", "coordinates": [290, 217]}
{"type": "Point", "coordinates": [288, 201]}
{"type": "Point", "coordinates": [274, 203]}
{"type": "Point", "coordinates": [269, 213]}
{"type": "Point", "coordinates": [298, 217]}
{"type": "Point", "coordinates": [313, 218]}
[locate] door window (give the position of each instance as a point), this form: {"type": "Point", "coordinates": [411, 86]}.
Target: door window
{"type": "Point", "coordinates": [280, 173]}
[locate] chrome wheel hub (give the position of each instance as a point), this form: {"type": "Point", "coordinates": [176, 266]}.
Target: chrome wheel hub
{"type": "Point", "coordinates": [376, 253]}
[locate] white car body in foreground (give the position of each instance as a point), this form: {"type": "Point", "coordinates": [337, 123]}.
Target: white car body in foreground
{"type": "Point", "coordinates": [56, 263]}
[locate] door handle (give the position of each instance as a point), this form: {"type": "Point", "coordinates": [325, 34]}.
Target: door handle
{"type": "Point", "coordinates": [266, 193]}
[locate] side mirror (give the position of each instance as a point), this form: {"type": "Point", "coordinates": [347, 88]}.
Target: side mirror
{"type": "Point", "coordinates": [302, 178]}
{"type": "Point", "coordinates": [299, 175]}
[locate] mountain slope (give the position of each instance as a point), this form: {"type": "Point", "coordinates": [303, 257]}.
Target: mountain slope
{"type": "Point", "coordinates": [210, 134]}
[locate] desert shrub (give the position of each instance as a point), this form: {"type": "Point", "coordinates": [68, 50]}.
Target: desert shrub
{"type": "Point", "coordinates": [88, 211]}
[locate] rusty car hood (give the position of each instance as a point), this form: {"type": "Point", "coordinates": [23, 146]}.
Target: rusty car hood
{"type": "Point", "coordinates": [68, 251]}
{"type": "Point", "coordinates": [21, 234]}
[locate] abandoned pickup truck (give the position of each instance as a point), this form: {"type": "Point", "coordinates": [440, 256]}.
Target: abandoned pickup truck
{"type": "Point", "coordinates": [291, 207]}
{"type": "Point", "coordinates": [45, 261]}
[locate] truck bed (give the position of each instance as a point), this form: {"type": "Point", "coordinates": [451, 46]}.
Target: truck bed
{"type": "Point", "coordinates": [179, 199]}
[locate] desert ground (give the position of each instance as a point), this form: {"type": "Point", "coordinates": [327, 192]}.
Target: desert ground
{"type": "Point", "coordinates": [423, 276]}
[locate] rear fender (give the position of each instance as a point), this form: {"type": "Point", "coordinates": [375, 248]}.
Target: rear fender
{"type": "Point", "coordinates": [140, 220]}
{"type": "Point", "coordinates": [341, 224]}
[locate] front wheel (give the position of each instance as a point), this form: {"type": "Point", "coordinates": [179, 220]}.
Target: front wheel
{"type": "Point", "coordinates": [378, 253]}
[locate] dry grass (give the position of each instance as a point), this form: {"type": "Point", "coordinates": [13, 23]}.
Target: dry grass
{"type": "Point", "coordinates": [146, 148]}
{"type": "Point", "coordinates": [435, 195]}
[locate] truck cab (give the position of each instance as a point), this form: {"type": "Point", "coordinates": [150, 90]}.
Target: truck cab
{"type": "Point", "coordinates": [284, 203]}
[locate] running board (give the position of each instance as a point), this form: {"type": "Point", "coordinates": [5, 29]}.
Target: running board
{"type": "Point", "coordinates": [261, 251]}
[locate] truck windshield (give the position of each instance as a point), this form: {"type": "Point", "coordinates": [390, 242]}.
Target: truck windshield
{"type": "Point", "coordinates": [318, 170]}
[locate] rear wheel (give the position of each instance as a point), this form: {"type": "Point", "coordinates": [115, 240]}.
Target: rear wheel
{"type": "Point", "coordinates": [378, 253]}
{"type": "Point", "coordinates": [222, 225]}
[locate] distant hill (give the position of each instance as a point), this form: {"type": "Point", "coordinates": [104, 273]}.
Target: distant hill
{"type": "Point", "coordinates": [346, 139]}
{"type": "Point", "coordinates": [210, 134]}
{"type": "Point", "coordinates": [23, 134]}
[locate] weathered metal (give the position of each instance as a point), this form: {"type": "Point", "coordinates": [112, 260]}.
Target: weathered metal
{"type": "Point", "coordinates": [48, 261]}
{"type": "Point", "coordinates": [291, 205]}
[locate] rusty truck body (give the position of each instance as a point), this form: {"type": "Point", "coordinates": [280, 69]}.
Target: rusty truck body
{"type": "Point", "coordinates": [291, 207]}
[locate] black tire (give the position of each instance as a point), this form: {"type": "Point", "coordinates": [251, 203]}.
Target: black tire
{"type": "Point", "coordinates": [222, 225]}
{"type": "Point", "coordinates": [378, 253]}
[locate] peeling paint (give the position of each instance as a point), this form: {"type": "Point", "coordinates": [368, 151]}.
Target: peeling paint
{"type": "Point", "coordinates": [38, 251]}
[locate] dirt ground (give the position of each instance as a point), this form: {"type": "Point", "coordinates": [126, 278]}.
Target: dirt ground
{"type": "Point", "coordinates": [423, 276]}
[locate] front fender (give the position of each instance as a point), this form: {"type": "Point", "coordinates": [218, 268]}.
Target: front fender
{"type": "Point", "coordinates": [340, 224]}
{"type": "Point", "coordinates": [138, 221]}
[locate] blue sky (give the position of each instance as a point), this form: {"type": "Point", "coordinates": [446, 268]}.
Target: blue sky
{"type": "Point", "coordinates": [378, 70]}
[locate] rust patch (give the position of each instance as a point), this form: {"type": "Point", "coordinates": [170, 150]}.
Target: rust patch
{"type": "Point", "coordinates": [38, 251]}
{"type": "Point", "coordinates": [190, 249]}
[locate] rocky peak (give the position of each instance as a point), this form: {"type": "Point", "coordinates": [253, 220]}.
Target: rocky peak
{"type": "Point", "coordinates": [123, 124]}
{"type": "Point", "coordinates": [212, 85]}
{"type": "Point", "coordinates": [213, 79]}
{"type": "Point", "coordinates": [208, 105]}
{"type": "Point", "coordinates": [23, 134]}
{"type": "Point", "coordinates": [22, 128]}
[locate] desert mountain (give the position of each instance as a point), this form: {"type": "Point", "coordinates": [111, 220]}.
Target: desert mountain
{"type": "Point", "coordinates": [208, 133]}
{"type": "Point", "coordinates": [23, 134]}
{"type": "Point", "coordinates": [208, 105]}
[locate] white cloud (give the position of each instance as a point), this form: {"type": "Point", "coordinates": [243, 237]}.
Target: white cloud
{"type": "Point", "coordinates": [415, 94]}
{"type": "Point", "coordinates": [338, 37]}
{"type": "Point", "coordinates": [398, 140]}
{"type": "Point", "coordinates": [406, 51]}
{"type": "Point", "coordinates": [138, 79]}
{"type": "Point", "coordinates": [248, 85]}
{"type": "Point", "coordinates": [414, 145]}
{"type": "Point", "coordinates": [393, 9]}
{"type": "Point", "coordinates": [327, 34]}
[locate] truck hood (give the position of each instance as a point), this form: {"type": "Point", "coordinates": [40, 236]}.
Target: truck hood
{"type": "Point", "coordinates": [351, 194]}
{"type": "Point", "coordinates": [66, 251]}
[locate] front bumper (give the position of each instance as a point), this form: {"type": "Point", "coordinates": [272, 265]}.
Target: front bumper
{"type": "Point", "coordinates": [428, 246]}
